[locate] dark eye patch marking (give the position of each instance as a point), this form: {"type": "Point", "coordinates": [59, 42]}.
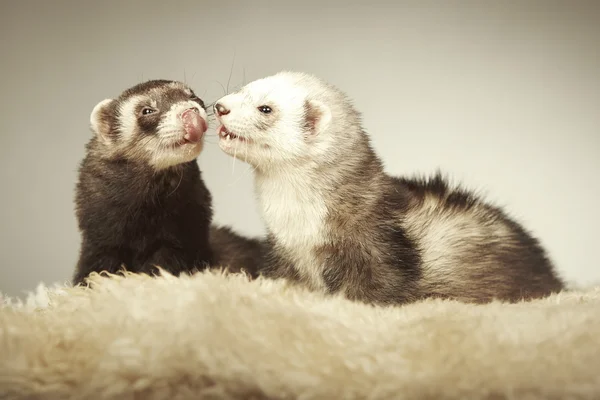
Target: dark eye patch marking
{"type": "Point", "coordinates": [148, 123]}
{"type": "Point", "coordinates": [198, 100]}
{"type": "Point", "coordinates": [159, 96]}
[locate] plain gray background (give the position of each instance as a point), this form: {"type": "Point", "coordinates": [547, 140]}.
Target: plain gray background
{"type": "Point", "coordinates": [504, 96]}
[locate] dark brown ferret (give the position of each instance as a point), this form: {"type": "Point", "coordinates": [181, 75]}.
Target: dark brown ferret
{"type": "Point", "coordinates": [140, 198]}
{"type": "Point", "coordinates": [237, 253]}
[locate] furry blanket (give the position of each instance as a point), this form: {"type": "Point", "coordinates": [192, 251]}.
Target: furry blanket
{"type": "Point", "coordinates": [218, 336]}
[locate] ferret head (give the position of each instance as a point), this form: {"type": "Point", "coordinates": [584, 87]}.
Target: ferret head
{"type": "Point", "coordinates": [287, 118]}
{"type": "Point", "coordinates": [159, 122]}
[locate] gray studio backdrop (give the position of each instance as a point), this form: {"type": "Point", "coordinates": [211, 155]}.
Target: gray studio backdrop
{"type": "Point", "coordinates": [502, 95]}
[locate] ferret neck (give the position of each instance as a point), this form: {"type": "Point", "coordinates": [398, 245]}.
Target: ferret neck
{"type": "Point", "coordinates": [359, 167]}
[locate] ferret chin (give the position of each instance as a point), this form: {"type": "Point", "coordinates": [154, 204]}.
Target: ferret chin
{"type": "Point", "coordinates": [140, 199]}
{"type": "Point", "coordinates": [338, 223]}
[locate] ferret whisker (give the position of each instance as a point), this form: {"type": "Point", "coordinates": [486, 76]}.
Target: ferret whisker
{"type": "Point", "coordinates": [234, 158]}
{"type": "Point", "coordinates": [239, 177]}
{"type": "Point", "coordinates": [222, 87]}
{"type": "Point", "coordinates": [154, 167]}
{"type": "Point", "coordinates": [170, 135]}
{"type": "Point", "coordinates": [252, 169]}
{"type": "Point", "coordinates": [230, 71]}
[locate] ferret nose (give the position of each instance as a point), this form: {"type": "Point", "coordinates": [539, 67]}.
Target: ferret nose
{"type": "Point", "coordinates": [221, 109]}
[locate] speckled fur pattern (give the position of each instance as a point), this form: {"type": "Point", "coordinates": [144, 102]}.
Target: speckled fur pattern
{"type": "Point", "coordinates": [337, 223]}
{"type": "Point", "coordinates": [214, 336]}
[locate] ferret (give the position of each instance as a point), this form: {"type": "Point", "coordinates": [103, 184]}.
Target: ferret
{"type": "Point", "coordinates": [237, 253]}
{"type": "Point", "coordinates": [337, 223]}
{"type": "Point", "coordinates": [140, 198]}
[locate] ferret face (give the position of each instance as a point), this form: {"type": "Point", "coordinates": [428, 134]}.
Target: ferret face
{"type": "Point", "coordinates": [159, 122]}
{"type": "Point", "coordinates": [272, 120]}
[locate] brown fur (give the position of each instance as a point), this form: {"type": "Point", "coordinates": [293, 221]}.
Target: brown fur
{"type": "Point", "coordinates": [131, 215]}
{"type": "Point", "coordinates": [236, 253]}
{"type": "Point", "coordinates": [375, 252]}
{"type": "Point", "coordinates": [135, 216]}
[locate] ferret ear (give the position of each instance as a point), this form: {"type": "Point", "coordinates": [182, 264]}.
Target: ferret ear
{"type": "Point", "coordinates": [318, 117]}
{"type": "Point", "coordinates": [100, 119]}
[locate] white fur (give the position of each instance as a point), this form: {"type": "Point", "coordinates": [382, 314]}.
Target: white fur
{"type": "Point", "coordinates": [294, 212]}
{"type": "Point", "coordinates": [94, 118]}
{"type": "Point", "coordinates": [171, 128]}
{"type": "Point", "coordinates": [438, 232]}
{"type": "Point", "coordinates": [222, 337]}
{"type": "Point", "coordinates": [171, 121]}
{"type": "Point", "coordinates": [293, 205]}
{"type": "Point", "coordinates": [284, 141]}
{"type": "Point", "coordinates": [127, 117]}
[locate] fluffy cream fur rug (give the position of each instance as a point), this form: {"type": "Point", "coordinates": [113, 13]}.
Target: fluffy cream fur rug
{"type": "Point", "coordinates": [217, 336]}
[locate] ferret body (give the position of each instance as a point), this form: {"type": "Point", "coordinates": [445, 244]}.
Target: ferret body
{"type": "Point", "coordinates": [236, 253]}
{"type": "Point", "coordinates": [140, 198]}
{"type": "Point", "coordinates": [337, 223]}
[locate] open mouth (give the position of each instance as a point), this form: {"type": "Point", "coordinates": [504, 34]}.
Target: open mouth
{"type": "Point", "coordinates": [226, 135]}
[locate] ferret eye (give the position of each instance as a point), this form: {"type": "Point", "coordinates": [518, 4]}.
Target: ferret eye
{"type": "Point", "coordinates": [147, 111]}
{"type": "Point", "coordinates": [197, 99]}
{"type": "Point", "coordinates": [265, 109]}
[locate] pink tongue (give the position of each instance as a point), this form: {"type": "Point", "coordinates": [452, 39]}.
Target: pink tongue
{"type": "Point", "coordinates": [194, 126]}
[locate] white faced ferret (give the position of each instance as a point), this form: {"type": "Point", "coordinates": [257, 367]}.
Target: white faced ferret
{"type": "Point", "coordinates": [140, 199]}
{"type": "Point", "coordinates": [339, 224]}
